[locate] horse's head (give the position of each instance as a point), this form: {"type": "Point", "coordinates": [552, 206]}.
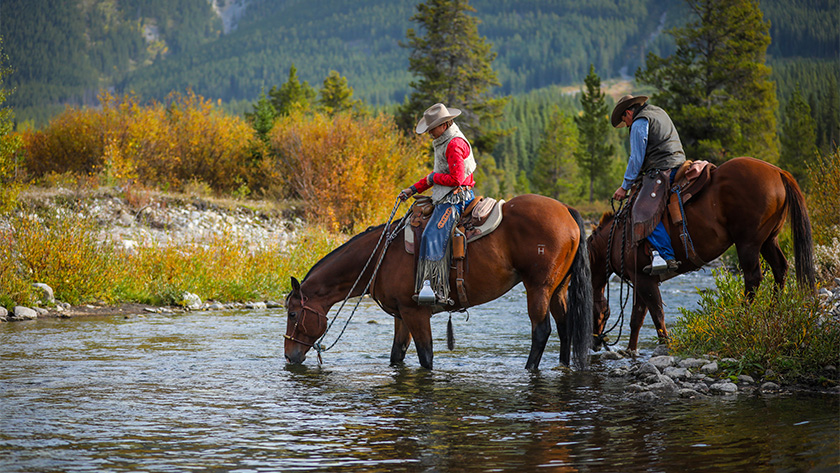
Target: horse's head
{"type": "Point", "coordinates": [305, 323]}
{"type": "Point", "coordinates": [597, 243]}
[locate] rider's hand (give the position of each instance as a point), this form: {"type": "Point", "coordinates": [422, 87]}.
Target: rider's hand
{"type": "Point", "coordinates": [406, 193]}
{"type": "Point", "coordinates": [430, 179]}
{"type": "Point", "coordinates": [620, 194]}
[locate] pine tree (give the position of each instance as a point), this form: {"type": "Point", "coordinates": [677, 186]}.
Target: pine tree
{"type": "Point", "coordinates": [716, 85]}
{"type": "Point", "coordinates": [452, 64]}
{"type": "Point", "coordinates": [262, 117]}
{"type": "Point", "coordinates": [594, 126]}
{"type": "Point", "coordinates": [293, 95]}
{"type": "Point", "coordinates": [556, 173]}
{"type": "Point", "coordinates": [10, 142]}
{"type": "Point", "coordinates": [336, 96]}
{"type": "Point", "coordinates": [798, 137]}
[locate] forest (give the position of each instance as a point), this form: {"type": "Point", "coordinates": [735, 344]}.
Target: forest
{"type": "Point", "coordinates": [63, 53]}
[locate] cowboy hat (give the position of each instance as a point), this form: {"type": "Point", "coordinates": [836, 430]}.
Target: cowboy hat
{"type": "Point", "coordinates": [434, 116]}
{"type": "Point", "coordinates": [623, 104]}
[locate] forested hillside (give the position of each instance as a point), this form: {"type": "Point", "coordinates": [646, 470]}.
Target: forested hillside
{"type": "Point", "coordinates": [64, 51]}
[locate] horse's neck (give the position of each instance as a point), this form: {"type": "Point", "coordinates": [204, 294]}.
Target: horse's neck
{"type": "Point", "coordinates": [334, 276]}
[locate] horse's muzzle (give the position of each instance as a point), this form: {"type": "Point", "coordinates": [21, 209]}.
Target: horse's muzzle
{"type": "Point", "coordinates": [295, 358]}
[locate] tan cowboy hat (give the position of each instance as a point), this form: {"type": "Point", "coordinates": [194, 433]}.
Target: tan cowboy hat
{"type": "Point", "coordinates": [623, 104]}
{"type": "Point", "coordinates": [434, 116]}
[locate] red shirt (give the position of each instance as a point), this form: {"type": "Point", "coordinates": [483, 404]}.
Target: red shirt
{"type": "Point", "coordinates": [456, 152]}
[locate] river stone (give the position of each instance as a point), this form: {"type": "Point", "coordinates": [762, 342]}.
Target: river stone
{"type": "Point", "coordinates": [618, 372]}
{"type": "Point", "coordinates": [274, 305]}
{"type": "Point", "coordinates": [191, 301]}
{"type": "Point", "coordinates": [645, 396]}
{"type": "Point", "coordinates": [4, 314]}
{"type": "Point", "coordinates": [688, 393]}
{"type": "Point", "coordinates": [746, 379]}
{"type": "Point", "coordinates": [256, 305]}
{"type": "Point", "coordinates": [647, 368]}
{"type": "Point", "coordinates": [665, 385]}
{"type": "Point", "coordinates": [769, 387]}
{"type": "Point", "coordinates": [635, 388]}
{"type": "Point", "coordinates": [47, 296]}
{"type": "Point", "coordinates": [611, 355]}
{"type": "Point", "coordinates": [709, 368]}
{"type": "Point", "coordinates": [724, 387]}
{"type": "Point", "coordinates": [25, 313]}
{"type": "Point", "coordinates": [693, 363]}
{"type": "Point", "coordinates": [662, 362]}
{"type": "Point", "coordinates": [216, 306]}
{"type": "Point", "coordinates": [661, 350]}
{"type": "Point", "coordinates": [676, 373]}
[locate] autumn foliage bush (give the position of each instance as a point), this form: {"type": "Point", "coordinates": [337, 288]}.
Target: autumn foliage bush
{"type": "Point", "coordinates": [346, 170]}
{"type": "Point", "coordinates": [160, 144]}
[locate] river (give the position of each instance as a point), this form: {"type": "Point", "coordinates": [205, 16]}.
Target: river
{"type": "Point", "coordinates": [209, 391]}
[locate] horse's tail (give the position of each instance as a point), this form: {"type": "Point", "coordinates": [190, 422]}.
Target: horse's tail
{"type": "Point", "coordinates": [803, 248]}
{"type": "Point", "coordinates": [579, 315]}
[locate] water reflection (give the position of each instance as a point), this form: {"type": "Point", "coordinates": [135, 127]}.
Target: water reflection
{"type": "Point", "coordinates": [210, 391]}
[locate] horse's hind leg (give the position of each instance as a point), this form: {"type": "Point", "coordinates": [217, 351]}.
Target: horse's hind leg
{"type": "Point", "coordinates": [558, 306]}
{"type": "Point", "coordinates": [540, 325]}
{"type": "Point", "coordinates": [776, 259]}
{"type": "Point", "coordinates": [750, 267]}
{"type": "Point", "coordinates": [402, 339]}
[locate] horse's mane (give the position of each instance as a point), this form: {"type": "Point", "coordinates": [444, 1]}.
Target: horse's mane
{"type": "Point", "coordinates": [608, 215]}
{"type": "Point", "coordinates": [347, 243]}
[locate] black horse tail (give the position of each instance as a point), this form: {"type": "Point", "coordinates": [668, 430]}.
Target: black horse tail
{"type": "Point", "coordinates": [579, 315]}
{"type": "Point", "coordinates": [803, 247]}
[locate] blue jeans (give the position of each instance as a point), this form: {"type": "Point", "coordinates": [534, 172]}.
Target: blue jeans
{"type": "Point", "coordinates": [660, 238]}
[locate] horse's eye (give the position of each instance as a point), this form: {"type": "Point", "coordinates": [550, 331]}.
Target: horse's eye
{"type": "Point", "coordinates": [292, 315]}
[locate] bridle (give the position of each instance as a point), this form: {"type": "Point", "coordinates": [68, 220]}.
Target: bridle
{"type": "Point", "coordinates": [299, 321]}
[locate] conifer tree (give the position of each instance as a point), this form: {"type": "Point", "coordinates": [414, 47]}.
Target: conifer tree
{"type": "Point", "coordinates": [798, 136]}
{"type": "Point", "coordinates": [10, 142]}
{"type": "Point", "coordinates": [262, 117]}
{"type": "Point", "coordinates": [556, 173]}
{"type": "Point", "coordinates": [452, 64]}
{"type": "Point", "coordinates": [593, 124]}
{"type": "Point", "coordinates": [716, 85]}
{"type": "Point", "coordinates": [336, 96]}
{"type": "Point", "coordinates": [293, 95]}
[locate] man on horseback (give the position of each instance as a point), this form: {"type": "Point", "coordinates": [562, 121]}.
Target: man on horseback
{"type": "Point", "coordinates": [654, 146]}
{"type": "Point", "coordinates": [451, 182]}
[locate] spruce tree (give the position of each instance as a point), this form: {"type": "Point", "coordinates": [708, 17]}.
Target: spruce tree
{"type": "Point", "coordinates": [262, 117]}
{"type": "Point", "coordinates": [293, 95]}
{"type": "Point", "coordinates": [593, 124]}
{"type": "Point", "coordinates": [336, 96]}
{"type": "Point", "coordinates": [556, 173]}
{"type": "Point", "coordinates": [452, 64]}
{"type": "Point", "coordinates": [716, 85]}
{"type": "Point", "coordinates": [798, 137]}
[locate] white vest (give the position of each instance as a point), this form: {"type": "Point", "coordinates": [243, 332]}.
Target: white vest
{"type": "Point", "coordinates": [442, 193]}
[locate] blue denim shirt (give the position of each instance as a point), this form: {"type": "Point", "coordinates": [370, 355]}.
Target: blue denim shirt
{"type": "Point", "coordinates": [638, 145]}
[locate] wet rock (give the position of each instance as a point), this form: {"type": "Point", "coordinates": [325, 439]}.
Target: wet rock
{"type": "Point", "coordinates": [710, 368]}
{"type": "Point", "coordinates": [665, 386]}
{"type": "Point", "coordinates": [635, 388]}
{"type": "Point", "coordinates": [769, 387]}
{"type": "Point", "coordinates": [693, 363]}
{"type": "Point", "coordinates": [274, 305]}
{"type": "Point", "coordinates": [4, 314]}
{"type": "Point", "coordinates": [618, 372]}
{"type": "Point", "coordinates": [611, 355]}
{"type": "Point", "coordinates": [46, 293]}
{"type": "Point", "coordinates": [256, 305]}
{"type": "Point", "coordinates": [645, 396]}
{"type": "Point", "coordinates": [216, 306]}
{"type": "Point", "coordinates": [41, 311]}
{"type": "Point", "coordinates": [746, 379]}
{"type": "Point", "coordinates": [25, 313]}
{"type": "Point", "coordinates": [661, 350]}
{"type": "Point", "coordinates": [724, 387]}
{"type": "Point", "coordinates": [647, 368]}
{"type": "Point", "coordinates": [688, 393]}
{"type": "Point", "coordinates": [190, 301]}
{"type": "Point", "coordinates": [662, 362]}
{"type": "Point", "coordinates": [676, 373]}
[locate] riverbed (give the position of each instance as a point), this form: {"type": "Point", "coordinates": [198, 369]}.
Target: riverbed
{"type": "Point", "coordinates": [210, 391]}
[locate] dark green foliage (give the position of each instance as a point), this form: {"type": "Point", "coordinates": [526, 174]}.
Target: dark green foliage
{"type": "Point", "coordinates": [262, 117]}
{"type": "Point", "coordinates": [593, 123]}
{"type": "Point", "coordinates": [336, 96]}
{"type": "Point", "coordinates": [452, 64]}
{"type": "Point", "coordinates": [292, 95]}
{"type": "Point", "coordinates": [798, 137]}
{"type": "Point", "coordinates": [716, 85]}
{"type": "Point", "coordinates": [556, 173]}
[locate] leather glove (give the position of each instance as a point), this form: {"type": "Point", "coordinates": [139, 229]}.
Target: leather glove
{"type": "Point", "coordinates": [406, 193]}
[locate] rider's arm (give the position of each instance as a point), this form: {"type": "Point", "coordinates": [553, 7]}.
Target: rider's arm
{"type": "Point", "coordinates": [638, 145]}
{"type": "Point", "coordinates": [456, 152]}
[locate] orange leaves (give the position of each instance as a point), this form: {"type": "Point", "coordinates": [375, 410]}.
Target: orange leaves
{"type": "Point", "coordinates": [347, 170]}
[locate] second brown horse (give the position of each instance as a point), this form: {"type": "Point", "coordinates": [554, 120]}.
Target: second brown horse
{"type": "Point", "coordinates": [540, 243]}
{"type": "Point", "coordinates": [745, 204]}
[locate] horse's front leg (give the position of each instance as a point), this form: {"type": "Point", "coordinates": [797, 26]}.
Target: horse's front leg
{"type": "Point", "coordinates": [637, 316]}
{"type": "Point", "coordinates": [647, 292]}
{"type": "Point", "coordinates": [402, 339]}
{"type": "Point", "coordinates": [419, 324]}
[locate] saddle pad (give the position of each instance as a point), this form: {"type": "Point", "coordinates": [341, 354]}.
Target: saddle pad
{"type": "Point", "coordinates": [493, 221]}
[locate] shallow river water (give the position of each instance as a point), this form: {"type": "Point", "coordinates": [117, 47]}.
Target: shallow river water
{"type": "Point", "coordinates": [209, 391]}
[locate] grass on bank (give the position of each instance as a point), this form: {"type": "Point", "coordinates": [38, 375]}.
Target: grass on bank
{"type": "Point", "coordinates": [65, 252]}
{"type": "Point", "coordinates": [785, 331]}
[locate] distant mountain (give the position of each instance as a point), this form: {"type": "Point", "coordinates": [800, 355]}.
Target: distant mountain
{"type": "Point", "coordinates": [64, 51]}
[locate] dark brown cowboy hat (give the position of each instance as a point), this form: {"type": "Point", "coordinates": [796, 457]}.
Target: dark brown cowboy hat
{"type": "Point", "coordinates": [434, 116]}
{"type": "Point", "coordinates": [623, 104]}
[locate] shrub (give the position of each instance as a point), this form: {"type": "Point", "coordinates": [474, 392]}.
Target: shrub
{"type": "Point", "coordinates": [347, 170]}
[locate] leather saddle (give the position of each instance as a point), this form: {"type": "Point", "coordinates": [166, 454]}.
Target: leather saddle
{"type": "Point", "coordinates": [690, 179]}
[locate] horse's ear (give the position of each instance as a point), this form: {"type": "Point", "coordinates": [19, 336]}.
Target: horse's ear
{"type": "Point", "coordinates": [295, 285]}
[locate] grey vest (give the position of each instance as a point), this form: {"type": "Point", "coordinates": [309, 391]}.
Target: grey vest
{"type": "Point", "coordinates": [664, 148]}
{"type": "Point", "coordinates": [444, 193]}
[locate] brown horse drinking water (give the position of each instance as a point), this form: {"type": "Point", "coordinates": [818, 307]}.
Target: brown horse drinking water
{"type": "Point", "coordinates": [744, 204]}
{"type": "Point", "coordinates": [540, 243]}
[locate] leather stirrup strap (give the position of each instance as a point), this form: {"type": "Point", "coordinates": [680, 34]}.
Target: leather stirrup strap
{"type": "Point", "coordinates": [459, 283]}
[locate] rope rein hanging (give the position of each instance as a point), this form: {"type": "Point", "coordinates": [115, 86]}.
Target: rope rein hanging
{"type": "Point", "coordinates": [318, 346]}
{"type": "Point", "coordinates": [619, 217]}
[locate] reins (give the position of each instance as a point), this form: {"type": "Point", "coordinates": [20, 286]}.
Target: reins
{"type": "Point", "coordinates": [318, 346]}
{"type": "Point", "coordinates": [619, 215]}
